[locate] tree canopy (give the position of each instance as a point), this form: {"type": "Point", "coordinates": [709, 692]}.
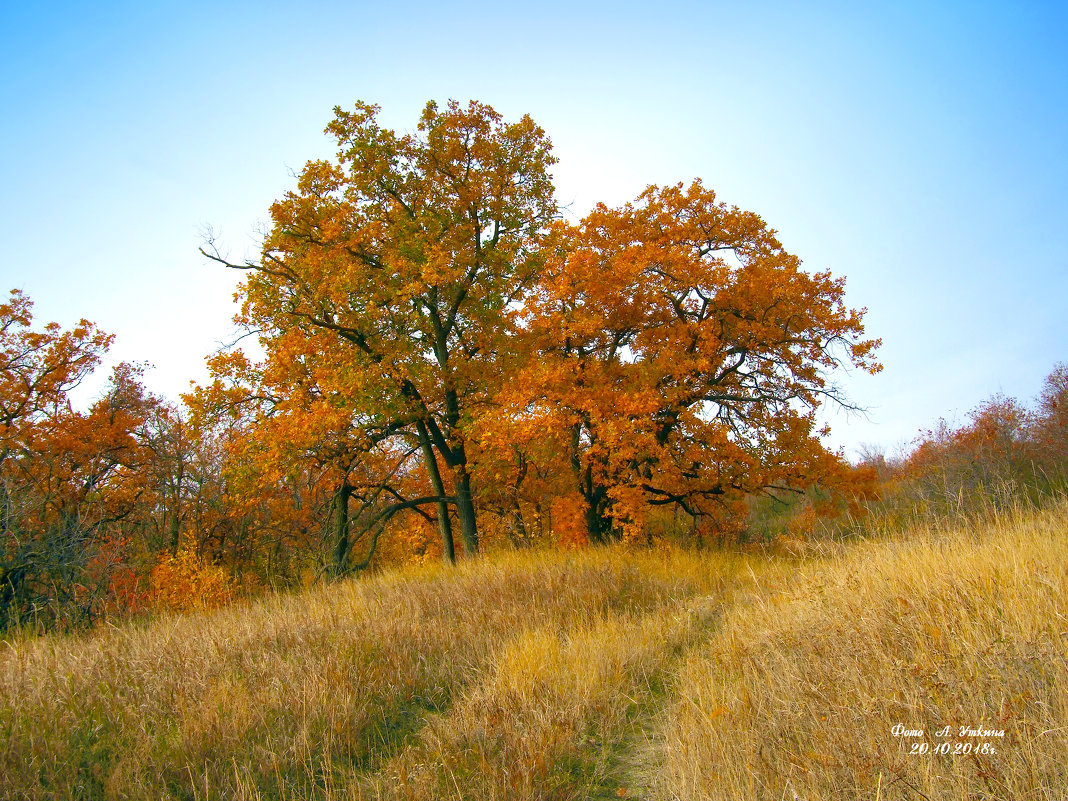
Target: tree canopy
{"type": "Point", "coordinates": [389, 274]}
{"type": "Point", "coordinates": [666, 353]}
{"type": "Point", "coordinates": [686, 353]}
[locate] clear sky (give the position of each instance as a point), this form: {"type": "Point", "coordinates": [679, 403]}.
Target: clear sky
{"type": "Point", "coordinates": [916, 148]}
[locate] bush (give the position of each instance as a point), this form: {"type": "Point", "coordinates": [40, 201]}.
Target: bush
{"type": "Point", "coordinates": [185, 581]}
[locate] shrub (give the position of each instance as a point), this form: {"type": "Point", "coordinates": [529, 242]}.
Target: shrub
{"type": "Point", "coordinates": [185, 581]}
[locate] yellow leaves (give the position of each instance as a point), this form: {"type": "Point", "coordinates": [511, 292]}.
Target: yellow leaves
{"type": "Point", "coordinates": [415, 541]}
{"type": "Point", "coordinates": [629, 510]}
{"type": "Point", "coordinates": [185, 581]}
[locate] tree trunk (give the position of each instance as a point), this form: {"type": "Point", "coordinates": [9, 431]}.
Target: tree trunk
{"type": "Point", "coordinates": [465, 510]}
{"type": "Point", "coordinates": [444, 523]}
{"type": "Point", "coordinates": [598, 525]}
{"type": "Point", "coordinates": [175, 528]}
{"type": "Point", "coordinates": [517, 530]}
{"type": "Point", "coordinates": [340, 525]}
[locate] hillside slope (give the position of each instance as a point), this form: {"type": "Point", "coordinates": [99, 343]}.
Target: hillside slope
{"type": "Point", "coordinates": [573, 675]}
{"type": "Point", "coordinates": [929, 666]}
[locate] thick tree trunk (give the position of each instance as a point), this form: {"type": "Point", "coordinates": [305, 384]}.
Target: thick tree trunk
{"type": "Point", "coordinates": [456, 459]}
{"type": "Point", "coordinates": [598, 525]}
{"type": "Point", "coordinates": [444, 523]}
{"type": "Point", "coordinates": [465, 509]}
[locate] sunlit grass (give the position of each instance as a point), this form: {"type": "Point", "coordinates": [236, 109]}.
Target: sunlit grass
{"type": "Point", "coordinates": [798, 694]}
{"type": "Point", "coordinates": [579, 675]}
{"type": "Point", "coordinates": [331, 692]}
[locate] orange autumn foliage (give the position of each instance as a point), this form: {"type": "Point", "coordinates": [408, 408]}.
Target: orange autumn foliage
{"type": "Point", "coordinates": [420, 303]}
{"type": "Point", "coordinates": [438, 351]}
{"type": "Point", "coordinates": [185, 581]}
{"type": "Point", "coordinates": [679, 354]}
{"type": "Point", "coordinates": [386, 282]}
{"type": "Point", "coordinates": [71, 481]}
{"type": "Point", "coordinates": [569, 520]}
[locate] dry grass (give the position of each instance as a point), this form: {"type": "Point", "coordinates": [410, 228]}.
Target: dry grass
{"type": "Point", "coordinates": [398, 685]}
{"type": "Point", "coordinates": [798, 693]}
{"type": "Point", "coordinates": [589, 675]}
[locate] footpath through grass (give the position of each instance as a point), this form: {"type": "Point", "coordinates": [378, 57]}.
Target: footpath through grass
{"type": "Point", "coordinates": [606, 673]}
{"type": "Point", "coordinates": [512, 677]}
{"type": "Point", "coordinates": [932, 665]}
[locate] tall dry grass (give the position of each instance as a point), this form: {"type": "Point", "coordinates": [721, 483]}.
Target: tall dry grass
{"type": "Point", "coordinates": [798, 694]}
{"type": "Point", "coordinates": [480, 682]}
{"type": "Point", "coordinates": [584, 675]}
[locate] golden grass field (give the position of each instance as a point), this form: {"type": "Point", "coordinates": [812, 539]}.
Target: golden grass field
{"type": "Point", "coordinates": [605, 673]}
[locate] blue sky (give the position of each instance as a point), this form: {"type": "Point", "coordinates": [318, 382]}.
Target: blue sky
{"type": "Point", "coordinates": [918, 149]}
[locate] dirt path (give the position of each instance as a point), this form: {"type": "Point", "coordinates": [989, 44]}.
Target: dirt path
{"type": "Point", "coordinates": [636, 760]}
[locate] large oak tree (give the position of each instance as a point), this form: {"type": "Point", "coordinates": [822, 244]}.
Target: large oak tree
{"type": "Point", "coordinates": [390, 271]}
{"type": "Point", "coordinates": [686, 353]}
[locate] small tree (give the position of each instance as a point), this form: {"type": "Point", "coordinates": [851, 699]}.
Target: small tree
{"type": "Point", "coordinates": [1050, 428]}
{"type": "Point", "coordinates": [69, 479]}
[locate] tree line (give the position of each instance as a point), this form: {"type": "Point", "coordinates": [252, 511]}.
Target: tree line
{"type": "Point", "coordinates": [443, 363]}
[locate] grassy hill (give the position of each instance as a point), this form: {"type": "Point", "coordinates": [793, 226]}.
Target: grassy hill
{"type": "Point", "coordinates": [603, 673]}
